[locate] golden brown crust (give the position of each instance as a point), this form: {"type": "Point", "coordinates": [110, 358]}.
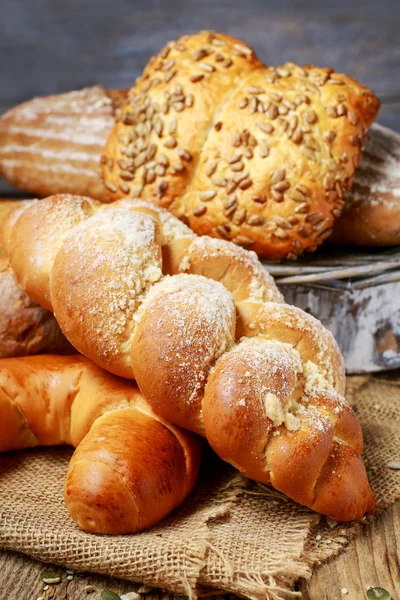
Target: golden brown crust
{"type": "Point", "coordinates": [25, 327]}
{"type": "Point", "coordinates": [175, 98]}
{"type": "Point", "coordinates": [72, 129]}
{"type": "Point", "coordinates": [180, 336]}
{"type": "Point", "coordinates": [130, 468]}
{"type": "Point", "coordinates": [260, 156]}
{"type": "Point", "coordinates": [371, 213]}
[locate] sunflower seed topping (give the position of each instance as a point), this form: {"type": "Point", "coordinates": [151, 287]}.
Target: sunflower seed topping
{"type": "Point", "coordinates": [199, 210]}
{"type": "Point", "coordinates": [196, 78]}
{"type": "Point", "coordinates": [278, 175]}
{"type": "Point", "coordinates": [265, 127]}
{"type": "Point", "coordinates": [208, 195]}
{"type": "Point", "coordinates": [207, 67]}
{"type": "Point", "coordinates": [243, 102]}
{"type": "Point", "coordinates": [210, 169]}
{"type": "Point", "coordinates": [255, 220]}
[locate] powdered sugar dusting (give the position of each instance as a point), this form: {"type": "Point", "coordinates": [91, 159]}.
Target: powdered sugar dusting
{"type": "Point", "coordinates": [172, 228]}
{"type": "Point", "coordinates": [261, 286]}
{"type": "Point", "coordinates": [121, 259]}
{"type": "Point", "coordinates": [200, 315]}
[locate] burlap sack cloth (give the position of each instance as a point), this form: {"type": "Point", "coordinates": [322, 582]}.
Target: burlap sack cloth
{"type": "Point", "coordinates": [231, 535]}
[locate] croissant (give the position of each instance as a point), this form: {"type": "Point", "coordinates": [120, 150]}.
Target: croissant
{"type": "Point", "coordinates": [129, 469]}
{"type": "Point", "coordinates": [203, 329]}
{"type": "Point", "coordinates": [259, 156]}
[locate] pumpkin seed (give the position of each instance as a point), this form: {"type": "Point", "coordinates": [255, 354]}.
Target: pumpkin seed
{"type": "Point", "coordinates": [378, 593]}
{"type": "Point", "coordinates": [50, 576]}
{"type": "Point", "coordinates": [109, 595]}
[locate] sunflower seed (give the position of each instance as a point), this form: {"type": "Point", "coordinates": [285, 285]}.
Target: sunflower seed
{"type": "Point", "coordinates": [160, 170]}
{"type": "Point", "coordinates": [243, 102]}
{"type": "Point", "coordinates": [282, 109]}
{"type": "Point", "coordinates": [352, 117]}
{"type": "Point", "coordinates": [234, 159]}
{"type": "Point", "coordinates": [255, 220]}
{"type": "Point", "coordinates": [228, 63]}
{"type": "Point", "coordinates": [253, 105]}
{"type": "Point", "coordinates": [273, 112]}
{"type": "Point", "coordinates": [170, 143]}
{"type": "Point", "coordinates": [304, 232]}
{"type": "Point", "coordinates": [242, 240]}
{"type": "Point", "coordinates": [237, 166]}
{"type": "Point", "coordinates": [208, 195]}
{"type": "Point", "coordinates": [277, 196]}
{"type": "Point", "coordinates": [178, 167]}
{"type": "Point", "coordinates": [239, 216]}
{"type": "Point", "coordinates": [111, 187]}
{"type": "Point", "coordinates": [185, 155]}
{"type": "Point", "coordinates": [126, 176]}
{"type": "Point", "coordinates": [220, 182]}
{"type": "Point", "coordinates": [259, 199]}
{"type": "Point", "coordinates": [278, 175]}
{"type": "Point", "coordinates": [265, 127]}
{"type": "Point", "coordinates": [314, 218]}
{"type": "Point", "coordinates": [245, 49]}
{"type": "Point", "coordinates": [263, 149]}
{"type": "Point", "coordinates": [275, 97]}
{"type": "Point", "coordinates": [200, 54]}
{"type": "Point", "coordinates": [331, 111]}
{"type": "Point", "coordinates": [124, 187]}
{"type": "Point", "coordinates": [169, 75]}
{"type": "Point", "coordinates": [207, 67]}
{"type": "Point", "coordinates": [297, 136]}
{"type": "Point", "coordinates": [302, 208]}
{"type": "Point", "coordinates": [162, 188]}
{"type": "Point", "coordinates": [236, 139]}
{"type": "Point", "coordinates": [168, 65]}
{"type": "Point", "coordinates": [196, 78]}
{"type": "Point", "coordinates": [252, 89]}
{"type": "Point", "coordinates": [281, 186]}
{"type": "Point", "coordinates": [210, 169]}
{"type": "Point", "coordinates": [189, 100]}
{"type": "Point", "coordinates": [245, 184]}
{"type": "Point", "coordinates": [280, 233]}
{"type": "Point", "coordinates": [199, 210]}
{"type": "Point", "coordinates": [222, 232]}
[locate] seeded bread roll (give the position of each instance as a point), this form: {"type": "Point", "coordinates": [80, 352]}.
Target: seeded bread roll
{"type": "Point", "coordinates": [54, 143]}
{"type": "Point", "coordinates": [371, 213]}
{"type": "Point", "coordinates": [211, 344]}
{"type": "Point", "coordinates": [129, 469]}
{"type": "Point", "coordinates": [260, 156]}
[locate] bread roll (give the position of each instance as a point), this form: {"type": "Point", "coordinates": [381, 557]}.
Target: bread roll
{"type": "Point", "coordinates": [212, 346]}
{"type": "Point", "coordinates": [130, 468]}
{"type": "Point", "coordinates": [371, 213]}
{"type": "Point", "coordinates": [259, 156]}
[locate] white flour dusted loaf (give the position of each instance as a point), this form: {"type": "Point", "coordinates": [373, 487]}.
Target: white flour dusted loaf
{"type": "Point", "coordinates": [204, 331]}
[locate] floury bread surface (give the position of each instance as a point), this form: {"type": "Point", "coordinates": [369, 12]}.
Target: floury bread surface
{"type": "Point", "coordinates": [205, 332]}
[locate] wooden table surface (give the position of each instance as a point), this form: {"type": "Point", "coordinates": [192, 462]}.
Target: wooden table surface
{"type": "Point", "coordinates": [51, 46]}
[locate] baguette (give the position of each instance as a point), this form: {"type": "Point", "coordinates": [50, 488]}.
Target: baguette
{"type": "Point", "coordinates": [205, 332]}
{"type": "Point", "coordinates": [129, 469]}
{"type": "Point", "coordinates": [55, 143]}
{"type": "Point", "coordinates": [371, 213]}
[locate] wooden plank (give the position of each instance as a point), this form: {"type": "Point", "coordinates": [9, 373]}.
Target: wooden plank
{"type": "Point", "coordinates": [373, 558]}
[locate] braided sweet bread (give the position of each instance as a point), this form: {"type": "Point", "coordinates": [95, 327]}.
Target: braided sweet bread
{"type": "Point", "coordinates": [129, 469]}
{"type": "Point", "coordinates": [213, 347]}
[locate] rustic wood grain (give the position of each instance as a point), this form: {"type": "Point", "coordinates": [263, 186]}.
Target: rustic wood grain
{"type": "Point", "coordinates": [372, 558]}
